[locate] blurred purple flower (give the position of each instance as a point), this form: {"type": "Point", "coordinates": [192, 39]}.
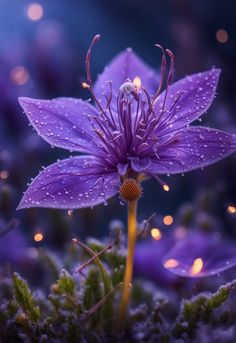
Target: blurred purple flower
{"type": "Point", "coordinates": [197, 254]}
{"type": "Point", "coordinates": [148, 261]}
{"type": "Point", "coordinates": [133, 132]}
{"type": "Point", "coordinates": [200, 254]}
{"type": "Point", "coordinates": [12, 247]}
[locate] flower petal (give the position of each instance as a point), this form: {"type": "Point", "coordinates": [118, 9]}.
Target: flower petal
{"type": "Point", "coordinates": [62, 122]}
{"type": "Point", "coordinates": [148, 261]}
{"type": "Point", "coordinates": [122, 168]}
{"type": "Point", "coordinates": [139, 164]}
{"type": "Point", "coordinates": [75, 182]}
{"type": "Point", "coordinates": [188, 99]}
{"type": "Point", "coordinates": [192, 148]}
{"type": "Point", "coordinates": [126, 65]}
{"type": "Point", "coordinates": [200, 255]}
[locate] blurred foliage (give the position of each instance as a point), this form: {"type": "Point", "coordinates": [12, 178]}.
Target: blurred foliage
{"type": "Point", "coordinates": [78, 307]}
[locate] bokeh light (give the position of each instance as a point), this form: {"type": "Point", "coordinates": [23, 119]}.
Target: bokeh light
{"type": "Point", "coordinates": [197, 266]}
{"type": "Point", "coordinates": [19, 75]}
{"type": "Point", "coordinates": [231, 209]}
{"type": "Point", "coordinates": [38, 237]}
{"type": "Point", "coordinates": [171, 263]}
{"type": "Point", "coordinates": [166, 188]}
{"type": "Point", "coordinates": [35, 11]}
{"type": "Point", "coordinates": [156, 234]}
{"type": "Point", "coordinates": [222, 36]}
{"type": "Point", "coordinates": [168, 220]}
{"type": "Point", "coordinates": [4, 174]}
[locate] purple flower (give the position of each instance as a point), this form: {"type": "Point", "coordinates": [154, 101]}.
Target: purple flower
{"type": "Point", "coordinates": [197, 254]}
{"type": "Point", "coordinates": [148, 261]}
{"type": "Point", "coordinates": [13, 247]}
{"type": "Point", "coordinates": [200, 254]}
{"type": "Point", "coordinates": [134, 131]}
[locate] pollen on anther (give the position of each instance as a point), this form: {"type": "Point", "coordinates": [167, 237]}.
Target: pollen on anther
{"type": "Point", "coordinates": [137, 82]}
{"type": "Point", "coordinates": [84, 85]}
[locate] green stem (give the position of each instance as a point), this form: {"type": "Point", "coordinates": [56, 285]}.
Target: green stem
{"type": "Point", "coordinates": [132, 224]}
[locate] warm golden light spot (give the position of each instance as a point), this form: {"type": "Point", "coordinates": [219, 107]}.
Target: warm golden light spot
{"type": "Point", "coordinates": [171, 263]}
{"type": "Point", "coordinates": [137, 82]}
{"type": "Point", "coordinates": [19, 75]}
{"type": "Point", "coordinates": [84, 85]}
{"type": "Point", "coordinates": [4, 174]}
{"type": "Point", "coordinates": [222, 36]}
{"type": "Point", "coordinates": [168, 220]}
{"type": "Point", "coordinates": [231, 209]}
{"type": "Point", "coordinates": [35, 12]}
{"type": "Point", "coordinates": [166, 188]}
{"type": "Point", "coordinates": [38, 237]}
{"type": "Point", "coordinates": [197, 266]}
{"type": "Point", "coordinates": [70, 212]}
{"type": "Point", "coordinates": [156, 233]}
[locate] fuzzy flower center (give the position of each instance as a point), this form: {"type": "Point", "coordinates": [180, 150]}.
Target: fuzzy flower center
{"type": "Point", "coordinates": [130, 190]}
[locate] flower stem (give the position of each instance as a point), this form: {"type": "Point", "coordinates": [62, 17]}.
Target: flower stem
{"type": "Point", "coordinates": [132, 223]}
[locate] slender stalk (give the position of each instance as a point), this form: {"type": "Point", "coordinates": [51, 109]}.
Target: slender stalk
{"type": "Point", "coordinates": [132, 223]}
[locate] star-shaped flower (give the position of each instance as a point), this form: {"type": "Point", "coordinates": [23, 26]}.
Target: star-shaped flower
{"type": "Point", "coordinates": [135, 130]}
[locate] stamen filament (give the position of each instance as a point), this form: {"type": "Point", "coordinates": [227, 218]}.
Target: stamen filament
{"type": "Point", "coordinates": [88, 72]}
{"type": "Point", "coordinates": [170, 74]}
{"type": "Point", "coordinates": [163, 72]}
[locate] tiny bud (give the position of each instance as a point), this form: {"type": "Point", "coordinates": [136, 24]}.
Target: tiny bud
{"type": "Point", "coordinates": [55, 288]}
{"type": "Point", "coordinates": [130, 190]}
{"type": "Point", "coordinates": [21, 318]}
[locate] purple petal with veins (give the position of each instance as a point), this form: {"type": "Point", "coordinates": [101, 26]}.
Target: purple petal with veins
{"type": "Point", "coordinates": [192, 148]}
{"type": "Point", "coordinates": [187, 100]}
{"type": "Point", "coordinates": [200, 255]}
{"type": "Point", "coordinates": [75, 182]}
{"type": "Point", "coordinates": [62, 122]}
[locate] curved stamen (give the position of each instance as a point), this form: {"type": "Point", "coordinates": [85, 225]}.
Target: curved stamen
{"type": "Point", "coordinates": [170, 74]}
{"type": "Point", "coordinates": [163, 72]}
{"type": "Point", "coordinates": [88, 72]}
